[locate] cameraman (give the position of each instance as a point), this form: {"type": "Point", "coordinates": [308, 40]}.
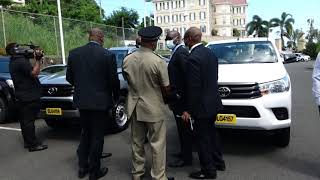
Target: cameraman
{"type": "Point", "coordinates": [27, 91]}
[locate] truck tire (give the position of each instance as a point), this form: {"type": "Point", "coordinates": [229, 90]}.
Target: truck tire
{"type": "Point", "coordinates": [3, 111]}
{"type": "Point", "coordinates": [119, 116]}
{"type": "Point", "coordinates": [281, 138]}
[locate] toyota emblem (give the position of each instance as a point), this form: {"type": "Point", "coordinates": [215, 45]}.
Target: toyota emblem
{"type": "Point", "coordinates": [224, 91]}
{"type": "Point", "coordinates": [52, 90]}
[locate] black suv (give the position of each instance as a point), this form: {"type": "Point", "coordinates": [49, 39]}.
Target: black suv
{"type": "Point", "coordinates": [7, 97]}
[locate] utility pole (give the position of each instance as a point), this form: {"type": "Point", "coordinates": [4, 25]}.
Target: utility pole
{"type": "Point", "coordinates": [145, 13]}
{"type": "Point", "coordinates": [100, 8]}
{"type": "Point", "coordinates": [61, 33]}
{"type": "Point", "coordinates": [123, 34]}
{"type": "Point", "coordinates": [3, 27]}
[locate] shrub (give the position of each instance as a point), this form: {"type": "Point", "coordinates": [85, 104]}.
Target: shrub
{"type": "Point", "coordinates": [214, 32]}
{"type": "Point", "coordinates": [3, 52]}
{"type": "Point", "coordinates": [311, 50]}
{"type": "Point", "coordinates": [204, 42]}
{"type": "Point", "coordinates": [235, 32]}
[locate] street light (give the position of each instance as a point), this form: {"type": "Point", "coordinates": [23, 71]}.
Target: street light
{"type": "Point", "coordinates": [145, 12]}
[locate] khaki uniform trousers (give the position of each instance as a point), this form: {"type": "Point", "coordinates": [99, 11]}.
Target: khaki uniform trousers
{"type": "Point", "coordinates": [157, 138]}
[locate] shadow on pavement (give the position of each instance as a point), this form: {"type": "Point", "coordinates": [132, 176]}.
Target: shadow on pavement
{"type": "Point", "coordinates": [245, 143]}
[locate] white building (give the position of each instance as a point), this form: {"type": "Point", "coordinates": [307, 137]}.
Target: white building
{"type": "Point", "coordinates": [220, 15]}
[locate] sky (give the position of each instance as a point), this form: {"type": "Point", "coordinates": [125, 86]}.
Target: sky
{"type": "Point", "coordinates": [266, 9]}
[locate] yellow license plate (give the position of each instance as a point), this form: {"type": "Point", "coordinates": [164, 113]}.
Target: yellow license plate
{"type": "Point", "coordinates": [54, 111]}
{"type": "Point", "coordinates": [226, 119]}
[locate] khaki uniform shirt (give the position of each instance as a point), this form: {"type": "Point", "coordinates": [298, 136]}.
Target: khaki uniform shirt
{"type": "Point", "coordinates": [146, 72]}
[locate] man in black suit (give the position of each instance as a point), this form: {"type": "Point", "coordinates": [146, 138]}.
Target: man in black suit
{"type": "Point", "coordinates": [203, 103]}
{"type": "Point", "coordinates": [177, 71]}
{"type": "Point", "coordinates": [92, 70]}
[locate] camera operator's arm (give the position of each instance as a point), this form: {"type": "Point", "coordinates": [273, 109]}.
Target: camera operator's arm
{"type": "Point", "coordinates": [36, 69]}
{"type": "Point", "coordinates": [38, 54]}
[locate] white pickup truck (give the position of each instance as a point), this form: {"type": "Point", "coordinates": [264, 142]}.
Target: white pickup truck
{"type": "Point", "coordinates": [254, 86]}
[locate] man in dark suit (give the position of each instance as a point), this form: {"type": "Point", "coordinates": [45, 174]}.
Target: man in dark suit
{"type": "Point", "coordinates": [203, 103]}
{"type": "Point", "coordinates": [92, 71]}
{"type": "Point", "coordinates": [177, 71]}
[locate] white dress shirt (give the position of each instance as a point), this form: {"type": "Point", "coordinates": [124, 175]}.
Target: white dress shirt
{"type": "Point", "coordinates": [194, 46]}
{"type": "Point", "coordinates": [175, 49]}
{"type": "Point", "coordinates": [316, 80]}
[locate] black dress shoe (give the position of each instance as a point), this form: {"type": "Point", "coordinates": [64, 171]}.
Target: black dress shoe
{"type": "Point", "coordinates": [38, 148]}
{"type": "Point", "coordinates": [177, 155]}
{"type": "Point", "coordinates": [82, 172]}
{"type": "Point", "coordinates": [221, 167]}
{"type": "Point", "coordinates": [179, 163]}
{"type": "Point", "coordinates": [96, 175]}
{"type": "Point", "coordinates": [170, 178]}
{"type": "Point", "coordinates": [201, 175]}
{"type": "Point", "coordinates": [105, 155]}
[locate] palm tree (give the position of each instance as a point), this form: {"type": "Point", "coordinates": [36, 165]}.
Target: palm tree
{"type": "Point", "coordinates": [258, 26]}
{"type": "Point", "coordinates": [296, 36]}
{"type": "Point", "coordinates": [285, 24]}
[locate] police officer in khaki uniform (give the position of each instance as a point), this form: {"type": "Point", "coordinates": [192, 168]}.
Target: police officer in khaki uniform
{"type": "Point", "coordinates": [148, 83]}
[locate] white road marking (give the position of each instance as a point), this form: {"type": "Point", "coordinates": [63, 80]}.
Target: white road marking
{"type": "Point", "coordinates": [10, 129]}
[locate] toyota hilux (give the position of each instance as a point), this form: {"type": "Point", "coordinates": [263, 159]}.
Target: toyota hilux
{"type": "Point", "coordinates": [57, 107]}
{"type": "Point", "coordinates": [254, 86]}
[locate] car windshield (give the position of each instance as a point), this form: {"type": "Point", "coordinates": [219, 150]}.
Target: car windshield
{"type": "Point", "coordinates": [4, 66]}
{"type": "Point", "coordinates": [244, 52]}
{"type": "Point", "coordinates": [53, 69]}
{"type": "Point", "coordinates": [120, 55]}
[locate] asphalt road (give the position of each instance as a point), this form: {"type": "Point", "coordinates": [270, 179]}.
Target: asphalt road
{"type": "Point", "coordinates": [249, 156]}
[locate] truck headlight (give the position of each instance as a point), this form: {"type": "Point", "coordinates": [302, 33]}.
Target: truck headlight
{"type": "Point", "coordinates": [10, 83]}
{"type": "Point", "coordinates": [278, 86]}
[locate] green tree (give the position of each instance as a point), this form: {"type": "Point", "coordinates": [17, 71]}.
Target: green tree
{"type": "Point", "coordinates": [286, 25]}
{"type": "Point", "coordinates": [86, 10]}
{"type": "Point", "coordinates": [235, 32]}
{"type": "Point", "coordinates": [296, 36]}
{"type": "Point", "coordinates": [311, 49]}
{"type": "Point", "coordinates": [130, 18]}
{"type": "Point", "coordinates": [258, 26]}
{"type": "Point", "coordinates": [5, 3]}
{"type": "Point", "coordinates": [311, 32]}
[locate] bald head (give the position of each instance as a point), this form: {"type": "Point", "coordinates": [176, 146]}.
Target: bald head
{"type": "Point", "coordinates": [194, 34]}
{"type": "Point", "coordinates": [96, 34]}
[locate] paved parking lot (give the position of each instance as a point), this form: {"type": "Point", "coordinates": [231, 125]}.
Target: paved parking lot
{"type": "Point", "coordinates": [249, 156]}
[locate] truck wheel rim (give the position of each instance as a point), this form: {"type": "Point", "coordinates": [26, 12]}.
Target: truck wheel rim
{"type": "Point", "coordinates": [121, 116]}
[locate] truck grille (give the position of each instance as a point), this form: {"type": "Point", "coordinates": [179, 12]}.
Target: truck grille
{"type": "Point", "coordinates": [241, 111]}
{"type": "Point", "coordinates": [57, 90]}
{"type": "Point", "coordinates": [241, 91]}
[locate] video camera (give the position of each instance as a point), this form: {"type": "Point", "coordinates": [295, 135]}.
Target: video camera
{"type": "Point", "coordinates": [28, 50]}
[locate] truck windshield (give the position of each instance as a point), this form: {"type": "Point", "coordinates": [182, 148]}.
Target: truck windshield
{"type": "Point", "coordinates": [244, 52]}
